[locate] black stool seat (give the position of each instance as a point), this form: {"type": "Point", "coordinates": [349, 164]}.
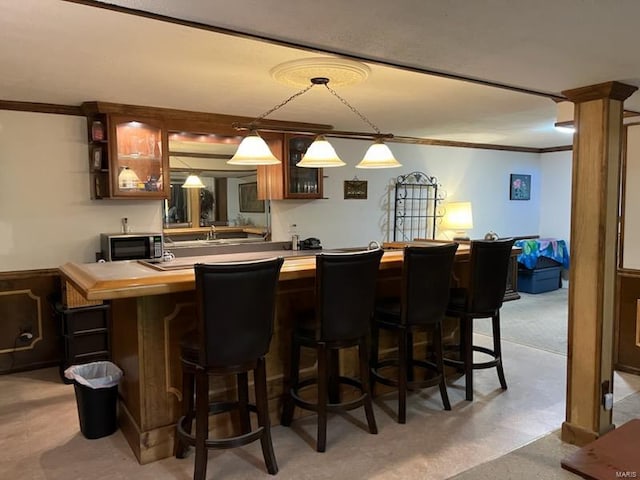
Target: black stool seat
{"type": "Point", "coordinates": [426, 275]}
{"type": "Point", "coordinates": [489, 266]}
{"type": "Point", "coordinates": [345, 295]}
{"type": "Point", "coordinates": [236, 307]}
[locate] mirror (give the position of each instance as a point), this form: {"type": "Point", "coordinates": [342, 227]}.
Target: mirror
{"type": "Point", "coordinates": [229, 197]}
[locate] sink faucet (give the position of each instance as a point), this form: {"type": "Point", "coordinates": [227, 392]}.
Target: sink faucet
{"type": "Point", "coordinates": [212, 233]}
{"type": "Point", "coordinates": [373, 245]}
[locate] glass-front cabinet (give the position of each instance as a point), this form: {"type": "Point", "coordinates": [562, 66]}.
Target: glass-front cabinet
{"type": "Point", "coordinates": [127, 155]}
{"type": "Point", "coordinates": [300, 182]}
{"type": "Point", "coordinates": [138, 164]}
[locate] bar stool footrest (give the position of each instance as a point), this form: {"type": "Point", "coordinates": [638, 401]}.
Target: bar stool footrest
{"type": "Point", "coordinates": [413, 384]}
{"type": "Point", "coordinates": [331, 407]}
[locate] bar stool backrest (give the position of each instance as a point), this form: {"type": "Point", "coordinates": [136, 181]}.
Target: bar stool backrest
{"type": "Point", "coordinates": [488, 270]}
{"type": "Point", "coordinates": [345, 293]}
{"type": "Point", "coordinates": [426, 278]}
{"type": "Point", "coordinates": [236, 308]}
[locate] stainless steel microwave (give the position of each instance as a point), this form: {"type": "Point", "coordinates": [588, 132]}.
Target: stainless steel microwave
{"type": "Point", "coordinates": [130, 246]}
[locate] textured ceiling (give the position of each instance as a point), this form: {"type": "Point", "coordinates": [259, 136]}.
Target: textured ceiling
{"type": "Point", "coordinates": [67, 53]}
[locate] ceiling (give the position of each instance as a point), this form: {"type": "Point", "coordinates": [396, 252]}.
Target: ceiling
{"type": "Point", "coordinates": [66, 53]}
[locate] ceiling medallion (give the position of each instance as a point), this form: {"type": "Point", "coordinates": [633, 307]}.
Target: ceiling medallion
{"type": "Point", "coordinates": [342, 72]}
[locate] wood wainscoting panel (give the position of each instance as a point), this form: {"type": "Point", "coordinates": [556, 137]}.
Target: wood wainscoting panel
{"type": "Point", "coordinates": [638, 323]}
{"type": "Point", "coordinates": [25, 307]}
{"type": "Point", "coordinates": [627, 331]}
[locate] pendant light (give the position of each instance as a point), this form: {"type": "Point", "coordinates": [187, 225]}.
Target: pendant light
{"type": "Point", "coordinates": [320, 153]}
{"type": "Point", "coordinates": [193, 181]}
{"type": "Point", "coordinates": [378, 156]}
{"type": "Point", "coordinates": [253, 150]}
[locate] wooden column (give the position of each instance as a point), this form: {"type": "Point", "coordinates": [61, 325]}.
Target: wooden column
{"type": "Point", "coordinates": [594, 232]}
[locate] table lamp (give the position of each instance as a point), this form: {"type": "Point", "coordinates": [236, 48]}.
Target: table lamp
{"type": "Point", "coordinates": [457, 217]}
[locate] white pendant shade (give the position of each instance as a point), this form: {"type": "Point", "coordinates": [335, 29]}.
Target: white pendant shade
{"type": "Point", "coordinates": [320, 154]}
{"type": "Point", "coordinates": [193, 181]}
{"type": "Point", "coordinates": [127, 179]}
{"type": "Point", "coordinates": [253, 150]}
{"type": "Point", "coordinates": [378, 156]}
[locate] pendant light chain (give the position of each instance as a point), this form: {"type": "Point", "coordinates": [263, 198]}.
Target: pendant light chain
{"type": "Point", "coordinates": [353, 109]}
{"type": "Point", "coordinates": [253, 150]}
{"type": "Point", "coordinates": [282, 104]}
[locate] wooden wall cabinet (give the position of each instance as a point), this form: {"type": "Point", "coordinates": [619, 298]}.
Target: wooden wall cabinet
{"type": "Point", "coordinates": [300, 182]}
{"type": "Point", "coordinates": [287, 181]}
{"type": "Point", "coordinates": [128, 155]}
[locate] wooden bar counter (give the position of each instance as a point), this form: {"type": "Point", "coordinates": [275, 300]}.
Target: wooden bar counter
{"type": "Point", "coordinates": [152, 306]}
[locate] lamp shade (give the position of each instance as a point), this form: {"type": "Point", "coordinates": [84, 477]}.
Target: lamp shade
{"type": "Point", "coordinates": [253, 150]}
{"type": "Point", "coordinates": [320, 154]}
{"type": "Point", "coordinates": [457, 217]}
{"type": "Point", "coordinates": [378, 156]}
{"type": "Point", "coordinates": [127, 179]}
{"type": "Point", "coordinates": [193, 181]}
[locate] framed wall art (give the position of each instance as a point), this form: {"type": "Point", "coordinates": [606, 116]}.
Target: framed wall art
{"type": "Point", "coordinates": [355, 189]}
{"type": "Point", "coordinates": [249, 198]}
{"type": "Point", "coordinates": [520, 187]}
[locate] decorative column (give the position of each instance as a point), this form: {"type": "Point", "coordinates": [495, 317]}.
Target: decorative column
{"type": "Point", "coordinates": [594, 248]}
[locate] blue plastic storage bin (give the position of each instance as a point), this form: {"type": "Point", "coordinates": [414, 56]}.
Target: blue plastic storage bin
{"type": "Point", "coordinates": [539, 280]}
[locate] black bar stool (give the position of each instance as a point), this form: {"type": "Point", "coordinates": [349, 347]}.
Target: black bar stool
{"type": "Point", "coordinates": [345, 299]}
{"type": "Point", "coordinates": [488, 269]}
{"type": "Point", "coordinates": [236, 308]}
{"type": "Point", "coordinates": [426, 276]}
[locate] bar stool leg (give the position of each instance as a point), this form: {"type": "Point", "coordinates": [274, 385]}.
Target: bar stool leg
{"type": "Point", "coordinates": [294, 374]}
{"type": "Point", "coordinates": [375, 340]}
{"type": "Point", "coordinates": [497, 349]}
{"type": "Point", "coordinates": [402, 373]}
{"type": "Point", "coordinates": [260, 382]}
{"type": "Point", "coordinates": [322, 396]}
{"type": "Point", "coordinates": [243, 401]}
{"type": "Point", "coordinates": [409, 352]}
{"type": "Point", "coordinates": [366, 387]}
{"type": "Point", "coordinates": [188, 411]}
{"type": "Point", "coordinates": [437, 347]}
{"type": "Point", "coordinates": [468, 356]}
{"type": "Point", "coordinates": [334, 375]}
{"type": "Point", "coordinates": [202, 425]}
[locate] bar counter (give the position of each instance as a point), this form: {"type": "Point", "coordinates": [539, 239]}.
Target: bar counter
{"type": "Point", "coordinates": [152, 306]}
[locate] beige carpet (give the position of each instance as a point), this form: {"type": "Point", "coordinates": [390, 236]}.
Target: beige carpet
{"type": "Point", "coordinates": [540, 460]}
{"type": "Point", "coordinates": [545, 329]}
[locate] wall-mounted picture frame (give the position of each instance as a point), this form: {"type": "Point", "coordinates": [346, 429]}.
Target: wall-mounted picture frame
{"type": "Point", "coordinates": [96, 158]}
{"type": "Point", "coordinates": [249, 202]}
{"type": "Point", "coordinates": [519, 187]}
{"type": "Point", "coordinates": [355, 189]}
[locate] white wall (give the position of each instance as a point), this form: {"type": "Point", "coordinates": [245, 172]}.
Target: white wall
{"type": "Point", "coordinates": [555, 195]}
{"type": "Point", "coordinates": [479, 176]}
{"type": "Point", "coordinates": [48, 219]}
{"type": "Point", "coordinates": [46, 215]}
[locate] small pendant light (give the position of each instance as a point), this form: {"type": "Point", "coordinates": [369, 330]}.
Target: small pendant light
{"type": "Point", "coordinates": [193, 181]}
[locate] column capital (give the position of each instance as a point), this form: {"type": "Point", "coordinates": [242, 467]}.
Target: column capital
{"type": "Point", "coordinates": [612, 90]}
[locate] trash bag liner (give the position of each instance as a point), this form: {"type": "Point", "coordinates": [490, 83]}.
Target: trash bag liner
{"type": "Point", "coordinates": [95, 375]}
